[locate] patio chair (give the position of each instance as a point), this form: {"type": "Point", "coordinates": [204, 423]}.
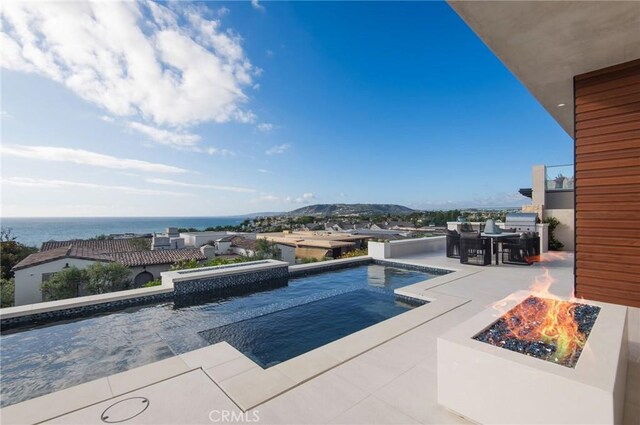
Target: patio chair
{"type": "Point", "coordinates": [475, 249]}
{"type": "Point", "coordinates": [453, 244]}
{"type": "Point", "coordinates": [520, 250]}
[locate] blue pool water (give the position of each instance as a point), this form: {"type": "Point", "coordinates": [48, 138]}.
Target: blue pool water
{"type": "Point", "coordinates": [271, 326]}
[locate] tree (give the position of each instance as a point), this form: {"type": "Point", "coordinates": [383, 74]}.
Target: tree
{"type": "Point", "coordinates": [11, 252]}
{"type": "Point", "coordinates": [107, 277]}
{"type": "Point", "coordinates": [64, 284]}
{"type": "Point", "coordinates": [267, 249]}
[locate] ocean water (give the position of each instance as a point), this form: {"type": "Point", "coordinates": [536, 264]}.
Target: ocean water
{"type": "Point", "coordinates": [34, 231]}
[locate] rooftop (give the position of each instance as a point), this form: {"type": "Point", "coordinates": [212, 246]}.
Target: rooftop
{"type": "Point", "coordinates": [63, 251]}
{"type": "Point", "coordinates": [98, 245]}
{"type": "Point", "coordinates": [393, 383]}
{"type": "Point", "coordinates": [161, 256]}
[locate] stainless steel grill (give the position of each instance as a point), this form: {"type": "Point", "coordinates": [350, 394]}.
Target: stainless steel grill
{"type": "Point", "coordinates": [522, 222]}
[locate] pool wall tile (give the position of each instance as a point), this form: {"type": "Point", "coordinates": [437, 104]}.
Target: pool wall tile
{"type": "Point", "coordinates": [214, 283]}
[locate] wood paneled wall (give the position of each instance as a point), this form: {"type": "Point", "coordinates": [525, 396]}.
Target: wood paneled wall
{"type": "Point", "coordinates": [607, 184]}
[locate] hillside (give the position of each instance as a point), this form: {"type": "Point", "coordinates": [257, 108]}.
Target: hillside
{"type": "Point", "coordinates": [350, 209]}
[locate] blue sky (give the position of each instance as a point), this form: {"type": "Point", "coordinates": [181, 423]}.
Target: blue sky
{"type": "Point", "coordinates": [181, 109]}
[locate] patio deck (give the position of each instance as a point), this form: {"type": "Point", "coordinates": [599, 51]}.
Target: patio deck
{"type": "Point", "coordinates": [393, 383]}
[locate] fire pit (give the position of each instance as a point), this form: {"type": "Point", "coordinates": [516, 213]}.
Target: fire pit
{"type": "Point", "coordinates": [538, 359]}
{"type": "Point", "coordinates": [544, 328]}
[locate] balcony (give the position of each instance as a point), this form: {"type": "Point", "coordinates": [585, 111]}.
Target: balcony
{"type": "Point", "coordinates": [559, 178]}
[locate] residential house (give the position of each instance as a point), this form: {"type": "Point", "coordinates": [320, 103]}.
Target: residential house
{"type": "Point", "coordinates": [247, 248]}
{"type": "Point", "coordinates": [145, 265]}
{"type": "Point", "coordinates": [318, 245]}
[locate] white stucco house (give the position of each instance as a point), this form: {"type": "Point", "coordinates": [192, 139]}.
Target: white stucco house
{"type": "Point", "coordinates": [145, 265]}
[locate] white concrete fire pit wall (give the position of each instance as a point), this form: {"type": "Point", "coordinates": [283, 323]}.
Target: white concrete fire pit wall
{"type": "Point", "coordinates": [492, 385]}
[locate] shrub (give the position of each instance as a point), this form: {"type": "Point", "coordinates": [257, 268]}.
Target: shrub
{"type": "Point", "coordinates": [267, 249]}
{"type": "Point", "coordinates": [107, 277]}
{"type": "Point", "coordinates": [151, 284]}
{"type": "Point", "coordinates": [64, 284]}
{"type": "Point", "coordinates": [554, 244]}
{"type": "Point", "coordinates": [185, 264]}
{"type": "Point", "coordinates": [224, 261]}
{"type": "Point", "coordinates": [355, 253]}
{"type": "Point", "coordinates": [7, 291]}
{"type": "Point", "coordinates": [307, 260]}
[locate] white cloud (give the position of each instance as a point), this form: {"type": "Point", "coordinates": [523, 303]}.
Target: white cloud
{"type": "Point", "coordinates": [223, 11]}
{"type": "Point", "coordinates": [26, 182]}
{"type": "Point", "coordinates": [267, 198]}
{"type": "Point", "coordinates": [221, 152]}
{"type": "Point", "coordinates": [168, 63]}
{"type": "Point", "coordinates": [498, 200]}
{"type": "Point", "coordinates": [265, 127]}
{"type": "Point", "coordinates": [262, 170]}
{"type": "Point", "coordinates": [277, 150]}
{"type": "Point", "coordinates": [4, 114]}
{"type": "Point", "coordinates": [80, 156]}
{"type": "Point", "coordinates": [165, 137]}
{"type": "Point", "coordinates": [201, 186]}
{"type": "Point", "coordinates": [306, 198]}
{"type": "Point", "coordinates": [257, 6]}
{"type": "Point", "coordinates": [107, 118]}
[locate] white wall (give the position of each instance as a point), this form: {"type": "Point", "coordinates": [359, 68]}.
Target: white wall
{"type": "Point", "coordinates": [402, 248]}
{"type": "Point", "coordinates": [379, 249]}
{"type": "Point", "coordinates": [223, 248]}
{"type": "Point", "coordinates": [197, 239]}
{"type": "Point", "coordinates": [288, 253]}
{"type": "Point", "coordinates": [566, 230]}
{"type": "Point", "coordinates": [155, 270]}
{"type": "Point", "coordinates": [28, 280]}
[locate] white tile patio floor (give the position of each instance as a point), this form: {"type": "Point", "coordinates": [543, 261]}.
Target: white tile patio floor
{"type": "Point", "coordinates": [394, 383]}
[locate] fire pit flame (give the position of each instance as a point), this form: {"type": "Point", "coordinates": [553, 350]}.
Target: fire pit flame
{"type": "Point", "coordinates": [543, 325]}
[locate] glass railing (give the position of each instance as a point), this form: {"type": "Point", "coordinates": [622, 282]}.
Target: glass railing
{"type": "Point", "coordinates": [559, 177]}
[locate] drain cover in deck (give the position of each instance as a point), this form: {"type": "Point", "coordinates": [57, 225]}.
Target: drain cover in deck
{"type": "Point", "coordinates": [124, 410]}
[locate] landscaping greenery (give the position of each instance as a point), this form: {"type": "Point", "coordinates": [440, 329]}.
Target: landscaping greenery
{"type": "Point", "coordinates": [355, 253]}
{"type": "Point", "coordinates": [98, 278]}
{"type": "Point", "coordinates": [107, 277]}
{"type": "Point", "coordinates": [554, 244]}
{"type": "Point", "coordinates": [267, 250]}
{"type": "Point", "coordinates": [66, 283]}
{"type": "Point", "coordinates": [11, 252]}
{"type": "Point", "coordinates": [185, 264]}
{"type": "Point", "coordinates": [156, 282]}
{"type": "Point", "coordinates": [7, 290]}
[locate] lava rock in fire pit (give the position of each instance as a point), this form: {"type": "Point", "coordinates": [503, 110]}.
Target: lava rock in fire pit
{"type": "Point", "coordinates": [546, 329]}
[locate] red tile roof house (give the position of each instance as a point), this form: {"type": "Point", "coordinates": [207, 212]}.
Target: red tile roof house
{"type": "Point", "coordinates": [56, 255]}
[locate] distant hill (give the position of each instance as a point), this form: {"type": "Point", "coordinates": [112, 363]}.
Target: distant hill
{"type": "Point", "coordinates": [350, 209]}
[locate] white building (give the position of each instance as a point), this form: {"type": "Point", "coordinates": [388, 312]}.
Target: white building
{"type": "Point", "coordinates": [145, 265]}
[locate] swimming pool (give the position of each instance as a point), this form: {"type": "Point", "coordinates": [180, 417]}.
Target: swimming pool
{"type": "Point", "coordinates": [288, 319]}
